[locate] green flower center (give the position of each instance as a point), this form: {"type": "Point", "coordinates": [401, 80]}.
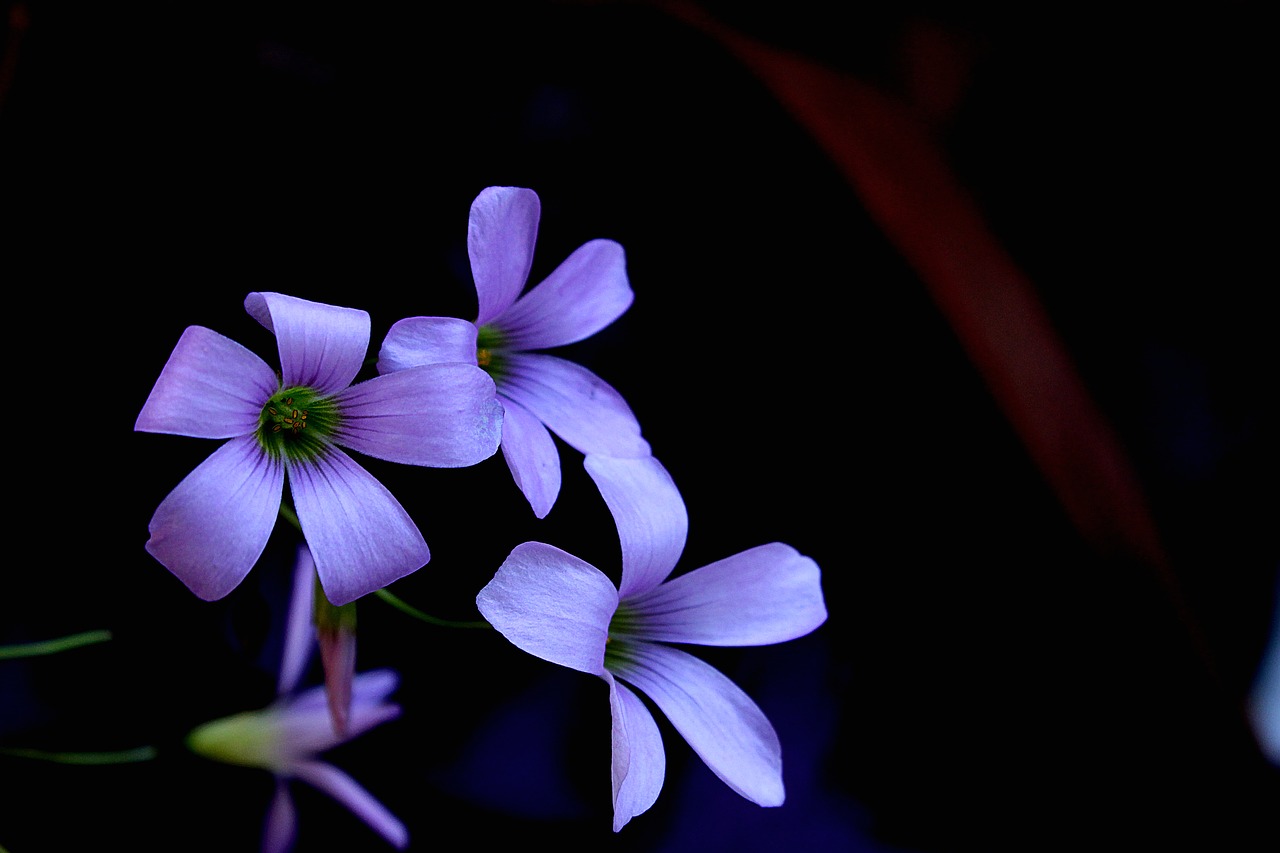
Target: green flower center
{"type": "Point", "coordinates": [298, 423]}
{"type": "Point", "coordinates": [250, 739]}
{"type": "Point", "coordinates": [491, 351]}
{"type": "Point", "coordinates": [617, 649]}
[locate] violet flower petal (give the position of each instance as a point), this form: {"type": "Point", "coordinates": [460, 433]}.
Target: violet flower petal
{"type": "Point", "coordinates": [439, 415]}
{"type": "Point", "coordinates": [368, 689]}
{"type": "Point", "coordinates": [587, 292]}
{"type": "Point", "coordinates": [347, 791]}
{"type": "Point", "coordinates": [552, 605]}
{"type": "Point", "coordinates": [639, 760]}
{"type": "Point", "coordinates": [721, 723]}
{"type": "Point", "coordinates": [767, 594]}
{"type": "Point", "coordinates": [281, 828]}
{"type": "Point", "coordinates": [414, 341]}
{"type": "Point", "coordinates": [306, 729]}
{"type": "Point", "coordinates": [211, 387]}
{"type": "Point", "coordinates": [574, 403]}
{"type": "Point", "coordinates": [211, 529]}
{"type": "Point", "coordinates": [501, 233]}
{"type": "Point", "coordinates": [360, 536]}
{"type": "Point", "coordinates": [300, 631]}
{"type": "Point", "coordinates": [532, 457]}
{"type": "Point", "coordinates": [321, 346]}
{"type": "Point", "coordinates": [651, 517]}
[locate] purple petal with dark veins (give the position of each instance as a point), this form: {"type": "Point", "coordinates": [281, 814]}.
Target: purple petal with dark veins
{"type": "Point", "coordinates": [531, 456]}
{"type": "Point", "coordinates": [721, 723]}
{"type": "Point", "coordinates": [767, 594]}
{"type": "Point", "coordinates": [501, 233]}
{"type": "Point", "coordinates": [214, 525]}
{"type": "Point", "coordinates": [639, 760]}
{"type": "Point", "coordinates": [415, 341]}
{"type": "Point", "coordinates": [211, 387]}
{"type": "Point", "coordinates": [650, 514]}
{"type": "Point", "coordinates": [574, 403]}
{"type": "Point", "coordinates": [552, 605]}
{"type": "Point", "coordinates": [360, 536]}
{"type": "Point", "coordinates": [321, 346]}
{"type": "Point", "coordinates": [439, 415]}
{"type": "Point", "coordinates": [587, 292]}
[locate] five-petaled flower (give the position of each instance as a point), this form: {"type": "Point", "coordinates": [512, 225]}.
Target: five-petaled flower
{"type": "Point", "coordinates": [287, 736]}
{"type": "Point", "coordinates": [560, 608]}
{"type": "Point", "coordinates": [540, 393]}
{"type": "Point", "coordinates": [211, 529]}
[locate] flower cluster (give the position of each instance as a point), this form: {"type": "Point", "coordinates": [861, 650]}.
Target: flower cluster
{"type": "Point", "coordinates": [450, 393]}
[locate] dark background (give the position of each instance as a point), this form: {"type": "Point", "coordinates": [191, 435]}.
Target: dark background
{"type": "Point", "coordinates": [989, 678]}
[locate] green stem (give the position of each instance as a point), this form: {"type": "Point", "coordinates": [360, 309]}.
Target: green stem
{"type": "Point", "coordinates": [48, 647]}
{"type": "Point", "coordinates": [123, 756]}
{"type": "Point", "coordinates": [287, 513]}
{"type": "Point", "coordinates": [418, 614]}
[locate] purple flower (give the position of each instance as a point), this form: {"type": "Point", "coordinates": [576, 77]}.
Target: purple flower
{"type": "Point", "coordinates": [212, 528]}
{"type": "Point", "coordinates": [564, 610]}
{"type": "Point", "coordinates": [540, 393]}
{"type": "Point", "coordinates": [286, 737]}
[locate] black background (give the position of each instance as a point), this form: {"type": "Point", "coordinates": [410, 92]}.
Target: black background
{"type": "Point", "coordinates": [987, 680]}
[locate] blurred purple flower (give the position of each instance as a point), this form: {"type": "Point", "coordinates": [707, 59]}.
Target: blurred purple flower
{"type": "Point", "coordinates": [540, 393]}
{"type": "Point", "coordinates": [1264, 692]}
{"type": "Point", "coordinates": [560, 608]}
{"type": "Point", "coordinates": [211, 529]}
{"type": "Point", "coordinates": [287, 736]}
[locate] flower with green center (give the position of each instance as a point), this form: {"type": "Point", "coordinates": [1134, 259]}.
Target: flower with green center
{"type": "Point", "coordinates": [562, 609]}
{"type": "Point", "coordinates": [286, 737]}
{"type": "Point", "coordinates": [540, 393]}
{"type": "Point", "coordinates": [211, 529]}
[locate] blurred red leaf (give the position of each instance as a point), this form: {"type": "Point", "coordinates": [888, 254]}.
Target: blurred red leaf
{"type": "Point", "coordinates": [902, 177]}
{"type": "Point", "coordinates": [891, 161]}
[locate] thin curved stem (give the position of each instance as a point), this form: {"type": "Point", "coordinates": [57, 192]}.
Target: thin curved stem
{"type": "Point", "coordinates": [418, 614]}
{"type": "Point", "coordinates": [287, 513]}
{"type": "Point", "coordinates": [48, 647]}
{"type": "Point", "coordinates": [121, 756]}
